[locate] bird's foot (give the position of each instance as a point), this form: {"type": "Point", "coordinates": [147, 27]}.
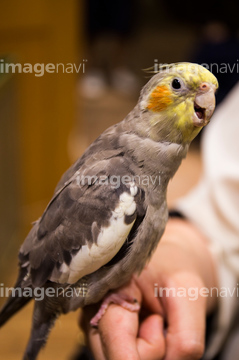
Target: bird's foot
{"type": "Point", "coordinates": [125, 301]}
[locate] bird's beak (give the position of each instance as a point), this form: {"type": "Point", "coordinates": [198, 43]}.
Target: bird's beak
{"type": "Point", "coordinates": [204, 104]}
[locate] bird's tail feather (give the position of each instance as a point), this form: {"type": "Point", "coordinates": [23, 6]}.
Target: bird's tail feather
{"type": "Point", "coordinates": [15, 301]}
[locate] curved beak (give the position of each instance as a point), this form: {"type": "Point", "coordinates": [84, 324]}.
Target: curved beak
{"type": "Point", "coordinates": [204, 104]}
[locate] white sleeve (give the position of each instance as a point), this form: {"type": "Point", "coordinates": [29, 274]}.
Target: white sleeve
{"type": "Point", "coordinates": [213, 206]}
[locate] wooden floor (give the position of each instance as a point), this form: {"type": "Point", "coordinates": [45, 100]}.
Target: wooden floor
{"type": "Point", "coordinates": [66, 336]}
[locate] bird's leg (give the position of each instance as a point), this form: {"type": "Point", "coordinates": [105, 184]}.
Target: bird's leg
{"type": "Point", "coordinates": [123, 300]}
{"type": "Point", "coordinates": [43, 321]}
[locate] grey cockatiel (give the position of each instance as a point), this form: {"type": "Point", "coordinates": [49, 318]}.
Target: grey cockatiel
{"type": "Point", "coordinates": [109, 209]}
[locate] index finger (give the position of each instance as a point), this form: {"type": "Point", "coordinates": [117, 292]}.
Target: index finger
{"type": "Point", "coordinates": [118, 330]}
{"type": "Point", "coordinates": [123, 337]}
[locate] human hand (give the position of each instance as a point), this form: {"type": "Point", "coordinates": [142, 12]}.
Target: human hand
{"type": "Point", "coordinates": [171, 326]}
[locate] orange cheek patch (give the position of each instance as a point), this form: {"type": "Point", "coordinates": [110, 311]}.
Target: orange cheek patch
{"type": "Point", "coordinates": [159, 99]}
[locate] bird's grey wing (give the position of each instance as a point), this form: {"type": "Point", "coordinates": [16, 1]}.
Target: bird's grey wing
{"type": "Point", "coordinates": [84, 226]}
{"type": "Point", "coordinates": [107, 141]}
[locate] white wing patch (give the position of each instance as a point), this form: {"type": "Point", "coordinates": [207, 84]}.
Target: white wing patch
{"type": "Point", "coordinates": [111, 238]}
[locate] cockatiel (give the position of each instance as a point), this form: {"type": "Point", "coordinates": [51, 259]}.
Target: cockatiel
{"type": "Point", "coordinates": [109, 209]}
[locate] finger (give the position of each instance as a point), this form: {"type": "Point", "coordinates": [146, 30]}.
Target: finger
{"type": "Point", "coordinates": [151, 340]}
{"type": "Point", "coordinates": [186, 324]}
{"type": "Point", "coordinates": [118, 331]}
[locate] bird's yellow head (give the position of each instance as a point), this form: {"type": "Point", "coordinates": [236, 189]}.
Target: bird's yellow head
{"type": "Point", "coordinates": [180, 99]}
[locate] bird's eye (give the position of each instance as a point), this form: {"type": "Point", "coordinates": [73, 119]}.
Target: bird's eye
{"type": "Point", "coordinates": [176, 84]}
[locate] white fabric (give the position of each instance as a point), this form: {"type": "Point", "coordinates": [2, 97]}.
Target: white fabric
{"type": "Point", "coordinates": [213, 206]}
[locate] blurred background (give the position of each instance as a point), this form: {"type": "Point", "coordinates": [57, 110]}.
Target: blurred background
{"type": "Point", "coordinates": [49, 117]}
